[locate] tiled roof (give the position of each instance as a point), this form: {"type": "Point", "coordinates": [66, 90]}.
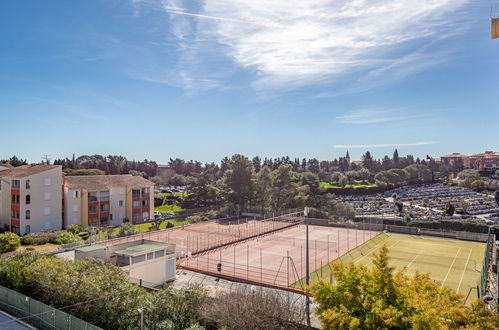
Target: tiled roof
{"type": "Point", "coordinates": [27, 170]}
{"type": "Point", "coordinates": [455, 155]}
{"type": "Point", "coordinates": [7, 165]}
{"type": "Point", "coordinates": [487, 154]}
{"type": "Point", "coordinates": [98, 182]}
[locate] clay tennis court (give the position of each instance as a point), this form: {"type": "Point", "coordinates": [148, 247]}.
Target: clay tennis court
{"type": "Point", "coordinates": [277, 258]}
{"type": "Point", "coordinates": [204, 236]}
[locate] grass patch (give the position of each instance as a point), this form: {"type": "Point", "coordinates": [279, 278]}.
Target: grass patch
{"type": "Point", "coordinates": [453, 262]}
{"type": "Point", "coordinates": [178, 194]}
{"type": "Point", "coordinates": [168, 208]}
{"type": "Point", "coordinates": [355, 184]}
{"type": "Point", "coordinates": [144, 227]}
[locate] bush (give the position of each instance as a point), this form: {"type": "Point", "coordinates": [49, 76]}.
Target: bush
{"type": "Point", "coordinates": [127, 229]}
{"type": "Point", "coordinates": [76, 228]}
{"type": "Point", "coordinates": [9, 242]}
{"type": "Point", "coordinates": [196, 219]}
{"type": "Point", "coordinates": [84, 235]}
{"type": "Point", "coordinates": [170, 224]}
{"type": "Point", "coordinates": [41, 238]}
{"type": "Point", "coordinates": [68, 237]}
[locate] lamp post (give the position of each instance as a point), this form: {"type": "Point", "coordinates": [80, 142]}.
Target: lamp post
{"type": "Point", "coordinates": [307, 267]}
{"type": "Point", "coordinates": [141, 311]}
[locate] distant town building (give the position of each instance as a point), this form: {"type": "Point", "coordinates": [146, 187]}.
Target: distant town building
{"type": "Point", "coordinates": [105, 200]}
{"type": "Point", "coordinates": [488, 160]}
{"type": "Point", "coordinates": [455, 157]}
{"type": "Point", "coordinates": [161, 169]}
{"type": "Point", "coordinates": [31, 198]}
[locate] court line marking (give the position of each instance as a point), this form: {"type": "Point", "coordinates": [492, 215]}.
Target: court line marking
{"type": "Point", "coordinates": [464, 271]}
{"type": "Point", "coordinates": [414, 259]}
{"type": "Point", "coordinates": [370, 261]}
{"type": "Point", "coordinates": [448, 271]}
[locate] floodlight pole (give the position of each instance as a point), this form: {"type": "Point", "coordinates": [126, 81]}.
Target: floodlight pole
{"type": "Point", "coordinates": [307, 267]}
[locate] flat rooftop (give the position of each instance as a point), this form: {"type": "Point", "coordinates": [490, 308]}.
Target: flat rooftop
{"type": "Point", "coordinates": [138, 250]}
{"type": "Point", "coordinates": [91, 248]}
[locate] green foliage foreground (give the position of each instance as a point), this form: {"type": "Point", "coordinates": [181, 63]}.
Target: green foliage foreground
{"type": "Point", "coordinates": [99, 292]}
{"type": "Point", "coordinates": [379, 298]}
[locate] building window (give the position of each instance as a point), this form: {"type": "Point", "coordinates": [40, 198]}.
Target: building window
{"type": "Point", "coordinates": [47, 211]}
{"type": "Point", "coordinates": [28, 186]}
{"type": "Point", "coordinates": [15, 214]}
{"type": "Point", "coordinates": [15, 199]}
{"type": "Point", "coordinates": [47, 196]}
{"type": "Point", "coordinates": [46, 181]}
{"type": "Point", "coordinates": [28, 199]}
{"type": "Point", "coordinates": [27, 230]}
{"type": "Point", "coordinates": [104, 196]}
{"type": "Point", "coordinates": [92, 196]}
{"type": "Point", "coordinates": [92, 209]}
{"type": "Point", "coordinates": [136, 193]}
{"type": "Point", "coordinates": [136, 216]}
{"type": "Point", "coordinates": [136, 204]}
{"type": "Point", "coordinates": [103, 221]}
{"type": "Point", "coordinates": [16, 184]}
{"type": "Point", "coordinates": [150, 255]}
{"type": "Point", "coordinates": [159, 254]}
{"type": "Point", "coordinates": [145, 215]}
{"type": "Point", "coordinates": [138, 259]}
{"type": "Point", "coordinates": [28, 215]}
{"type": "Point", "coordinates": [120, 203]}
{"type": "Point", "coordinates": [76, 194]}
{"type": "Point", "coordinates": [145, 203]}
{"type": "Point", "coordinates": [104, 207]}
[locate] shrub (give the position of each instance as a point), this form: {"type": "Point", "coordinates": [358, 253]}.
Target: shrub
{"type": "Point", "coordinates": [170, 224]}
{"type": "Point", "coordinates": [41, 238]}
{"type": "Point", "coordinates": [9, 242]}
{"type": "Point", "coordinates": [196, 219]}
{"type": "Point", "coordinates": [127, 229]}
{"type": "Point", "coordinates": [68, 237]}
{"type": "Point", "coordinates": [76, 228]}
{"type": "Point", "coordinates": [84, 235]}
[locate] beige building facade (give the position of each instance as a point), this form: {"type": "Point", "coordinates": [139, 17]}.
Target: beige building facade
{"type": "Point", "coordinates": [31, 198]}
{"type": "Point", "coordinates": [106, 200]}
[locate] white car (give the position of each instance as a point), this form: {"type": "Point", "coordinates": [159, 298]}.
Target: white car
{"type": "Point", "coordinates": [157, 214]}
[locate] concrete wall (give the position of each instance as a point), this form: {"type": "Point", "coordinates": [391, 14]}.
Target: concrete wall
{"type": "Point", "coordinates": [5, 201]}
{"type": "Point", "coordinates": [152, 271]}
{"type": "Point", "coordinates": [72, 207]}
{"type": "Point", "coordinates": [39, 220]}
{"type": "Point", "coordinates": [118, 212]}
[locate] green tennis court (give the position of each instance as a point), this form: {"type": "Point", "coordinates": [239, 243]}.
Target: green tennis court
{"type": "Point", "coordinates": [453, 263]}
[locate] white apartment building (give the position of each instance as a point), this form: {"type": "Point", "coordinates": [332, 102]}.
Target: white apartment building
{"type": "Point", "coordinates": [31, 198]}
{"type": "Point", "coordinates": [105, 200]}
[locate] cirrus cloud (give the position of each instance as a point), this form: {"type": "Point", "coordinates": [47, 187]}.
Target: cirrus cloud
{"type": "Point", "coordinates": [384, 145]}
{"type": "Point", "coordinates": [287, 44]}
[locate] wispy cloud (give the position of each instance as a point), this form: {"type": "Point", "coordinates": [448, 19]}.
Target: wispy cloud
{"type": "Point", "coordinates": [287, 44]}
{"type": "Point", "coordinates": [375, 116]}
{"type": "Point", "coordinates": [385, 145]}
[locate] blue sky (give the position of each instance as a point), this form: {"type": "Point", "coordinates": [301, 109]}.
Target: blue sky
{"type": "Point", "coordinates": [205, 79]}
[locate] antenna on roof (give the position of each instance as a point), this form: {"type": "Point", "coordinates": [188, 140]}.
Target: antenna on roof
{"type": "Point", "coordinates": [494, 23]}
{"type": "Point", "coordinates": [46, 159]}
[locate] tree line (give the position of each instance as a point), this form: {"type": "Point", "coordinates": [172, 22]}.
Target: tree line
{"type": "Point", "coordinates": [244, 189]}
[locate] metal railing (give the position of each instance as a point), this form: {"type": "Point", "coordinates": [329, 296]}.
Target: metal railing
{"type": "Point", "coordinates": [482, 287]}
{"type": "Point", "coordinates": [38, 314]}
